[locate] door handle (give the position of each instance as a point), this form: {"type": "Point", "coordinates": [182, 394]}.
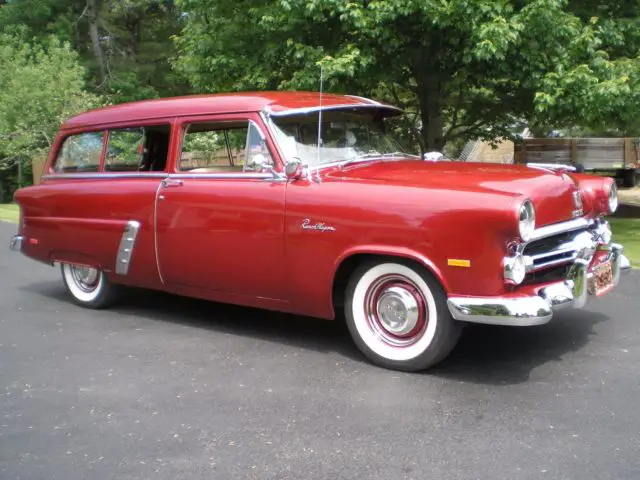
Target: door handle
{"type": "Point", "coordinates": [171, 182]}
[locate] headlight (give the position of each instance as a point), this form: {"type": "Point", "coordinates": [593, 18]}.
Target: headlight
{"type": "Point", "coordinates": [526, 220]}
{"type": "Point", "coordinates": [613, 198]}
{"type": "Point", "coordinates": [515, 269]}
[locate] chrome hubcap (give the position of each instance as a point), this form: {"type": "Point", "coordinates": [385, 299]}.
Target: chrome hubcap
{"type": "Point", "coordinates": [398, 310]}
{"type": "Point", "coordinates": [85, 278]}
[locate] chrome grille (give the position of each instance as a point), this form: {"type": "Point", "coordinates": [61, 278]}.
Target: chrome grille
{"type": "Point", "coordinates": [559, 249]}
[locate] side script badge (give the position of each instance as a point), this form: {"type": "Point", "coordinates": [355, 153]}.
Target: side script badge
{"type": "Point", "coordinates": [322, 227]}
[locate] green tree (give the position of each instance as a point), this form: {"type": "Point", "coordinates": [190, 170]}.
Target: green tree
{"type": "Point", "coordinates": [463, 68]}
{"type": "Point", "coordinates": [125, 44]}
{"type": "Point", "coordinates": [600, 88]}
{"type": "Point", "coordinates": [41, 85]}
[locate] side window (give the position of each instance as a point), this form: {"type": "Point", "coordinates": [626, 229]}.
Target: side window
{"type": "Point", "coordinates": [137, 149]}
{"type": "Point", "coordinates": [223, 147]}
{"type": "Point", "coordinates": [80, 153]}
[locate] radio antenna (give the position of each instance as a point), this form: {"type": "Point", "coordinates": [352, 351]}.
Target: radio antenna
{"type": "Point", "coordinates": [320, 120]}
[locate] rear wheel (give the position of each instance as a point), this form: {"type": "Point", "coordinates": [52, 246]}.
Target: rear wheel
{"type": "Point", "coordinates": [398, 317]}
{"type": "Point", "coordinates": [88, 286]}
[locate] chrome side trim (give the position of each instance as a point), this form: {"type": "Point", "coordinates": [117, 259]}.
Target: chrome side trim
{"type": "Point", "coordinates": [561, 227]}
{"type": "Point", "coordinates": [15, 244]}
{"type": "Point", "coordinates": [125, 250]}
{"type": "Point", "coordinates": [104, 175]}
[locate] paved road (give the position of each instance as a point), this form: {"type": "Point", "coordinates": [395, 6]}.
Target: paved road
{"type": "Point", "coordinates": [171, 388]}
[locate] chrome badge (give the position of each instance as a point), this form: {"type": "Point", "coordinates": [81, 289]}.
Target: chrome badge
{"type": "Point", "coordinates": [322, 227]}
{"type": "Point", "coordinates": [577, 201]}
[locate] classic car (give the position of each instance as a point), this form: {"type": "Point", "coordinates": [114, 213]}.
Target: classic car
{"type": "Point", "coordinates": [306, 203]}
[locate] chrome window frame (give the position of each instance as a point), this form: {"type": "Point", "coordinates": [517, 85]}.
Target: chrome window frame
{"type": "Point", "coordinates": [227, 175]}
{"type": "Point", "coordinates": [100, 131]}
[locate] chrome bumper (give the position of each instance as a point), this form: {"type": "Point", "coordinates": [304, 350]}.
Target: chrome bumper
{"type": "Point", "coordinates": [16, 243]}
{"type": "Point", "coordinates": [537, 309]}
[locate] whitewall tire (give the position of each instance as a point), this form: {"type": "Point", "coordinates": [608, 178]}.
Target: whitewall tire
{"type": "Point", "coordinates": [88, 286]}
{"type": "Point", "coordinates": [398, 317]}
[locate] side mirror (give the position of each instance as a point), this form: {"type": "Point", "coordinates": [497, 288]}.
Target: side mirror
{"type": "Point", "coordinates": [293, 170]}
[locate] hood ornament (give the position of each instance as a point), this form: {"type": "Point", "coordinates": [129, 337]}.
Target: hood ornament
{"type": "Point", "coordinates": [433, 156]}
{"type": "Point", "coordinates": [577, 202]}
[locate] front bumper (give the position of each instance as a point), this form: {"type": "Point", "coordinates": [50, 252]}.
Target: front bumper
{"type": "Point", "coordinates": [538, 308]}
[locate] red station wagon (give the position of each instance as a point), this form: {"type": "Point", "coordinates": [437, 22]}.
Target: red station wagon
{"type": "Point", "coordinates": [232, 198]}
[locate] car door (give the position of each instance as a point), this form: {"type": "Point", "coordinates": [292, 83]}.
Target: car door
{"type": "Point", "coordinates": [219, 215]}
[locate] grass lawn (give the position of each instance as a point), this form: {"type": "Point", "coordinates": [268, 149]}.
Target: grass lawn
{"type": "Point", "coordinates": [9, 212]}
{"type": "Point", "coordinates": [626, 231]}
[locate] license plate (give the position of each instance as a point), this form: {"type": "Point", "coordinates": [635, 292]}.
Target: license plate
{"type": "Point", "coordinates": [603, 278]}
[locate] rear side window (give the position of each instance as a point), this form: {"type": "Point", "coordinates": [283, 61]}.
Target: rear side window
{"type": "Point", "coordinates": [80, 153]}
{"type": "Point", "coordinates": [137, 149]}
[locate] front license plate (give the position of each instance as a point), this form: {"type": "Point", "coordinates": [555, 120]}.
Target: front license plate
{"type": "Point", "coordinates": [603, 278]}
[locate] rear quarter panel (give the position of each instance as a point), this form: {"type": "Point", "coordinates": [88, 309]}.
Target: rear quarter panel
{"type": "Point", "coordinates": [82, 221]}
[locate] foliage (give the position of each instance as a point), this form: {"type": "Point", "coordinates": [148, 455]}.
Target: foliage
{"type": "Point", "coordinates": [41, 84]}
{"type": "Point", "coordinates": [127, 57]}
{"type": "Point", "coordinates": [461, 69]}
{"type": "Point", "coordinates": [600, 89]}
{"type": "Point", "coordinates": [464, 68]}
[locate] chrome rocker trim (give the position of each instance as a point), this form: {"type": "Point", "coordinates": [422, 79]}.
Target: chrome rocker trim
{"type": "Point", "coordinates": [16, 242]}
{"type": "Point", "coordinates": [525, 311]}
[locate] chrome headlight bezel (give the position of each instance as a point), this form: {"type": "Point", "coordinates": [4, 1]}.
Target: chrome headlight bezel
{"type": "Point", "coordinates": [526, 220]}
{"type": "Point", "coordinates": [612, 198]}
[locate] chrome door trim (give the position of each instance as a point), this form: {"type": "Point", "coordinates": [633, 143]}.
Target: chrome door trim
{"type": "Point", "coordinates": [155, 231]}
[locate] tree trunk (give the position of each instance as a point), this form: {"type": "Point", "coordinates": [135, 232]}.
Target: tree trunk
{"type": "Point", "coordinates": [92, 15]}
{"type": "Point", "coordinates": [430, 99]}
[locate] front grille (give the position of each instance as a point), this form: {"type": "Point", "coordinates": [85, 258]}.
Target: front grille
{"type": "Point", "coordinates": [556, 250]}
{"type": "Point", "coordinates": [551, 274]}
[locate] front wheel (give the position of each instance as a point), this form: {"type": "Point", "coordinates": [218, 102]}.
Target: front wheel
{"type": "Point", "coordinates": [398, 317]}
{"type": "Point", "coordinates": [88, 286]}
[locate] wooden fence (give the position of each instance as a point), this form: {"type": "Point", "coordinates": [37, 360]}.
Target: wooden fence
{"type": "Point", "coordinates": [593, 153]}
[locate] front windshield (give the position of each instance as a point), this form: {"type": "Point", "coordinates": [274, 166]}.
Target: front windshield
{"type": "Point", "coordinates": [346, 135]}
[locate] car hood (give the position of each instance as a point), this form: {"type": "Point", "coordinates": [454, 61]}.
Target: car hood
{"type": "Point", "coordinates": [550, 192]}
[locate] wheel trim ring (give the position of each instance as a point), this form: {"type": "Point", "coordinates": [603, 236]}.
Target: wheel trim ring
{"type": "Point", "coordinates": [373, 294]}
{"type": "Point", "coordinates": [86, 279]}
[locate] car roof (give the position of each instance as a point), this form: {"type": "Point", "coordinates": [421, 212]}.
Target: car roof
{"type": "Point", "coordinates": [276, 102]}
